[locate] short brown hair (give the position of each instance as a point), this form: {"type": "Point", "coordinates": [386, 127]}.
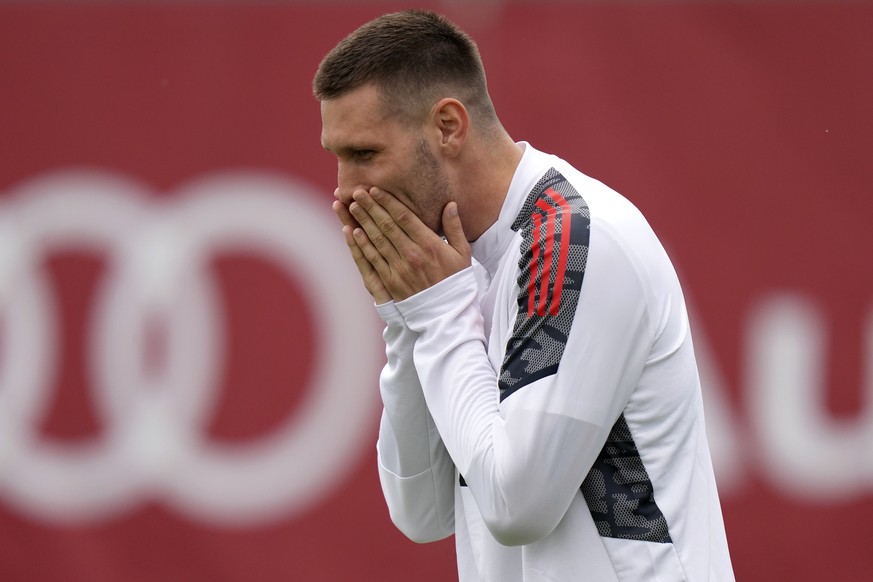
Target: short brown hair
{"type": "Point", "coordinates": [415, 57]}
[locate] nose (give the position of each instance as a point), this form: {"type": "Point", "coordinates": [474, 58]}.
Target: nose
{"type": "Point", "coordinates": [349, 179]}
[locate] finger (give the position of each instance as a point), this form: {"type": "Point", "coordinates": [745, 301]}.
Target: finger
{"type": "Point", "coordinates": [410, 224]}
{"type": "Point", "coordinates": [381, 230]}
{"type": "Point", "coordinates": [369, 275]}
{"type": "Point", "coordinates": [342, 211]}
{"type": "Point", "coordinates": [365, 267]}
{"type": "Point", "coordinates": [395, 284]}
{"type": "Point", "coordinates": [371, 253]}
{"type": "Point", "coordinates": [454, 230]}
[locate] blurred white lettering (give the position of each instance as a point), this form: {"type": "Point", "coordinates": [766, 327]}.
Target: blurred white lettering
{"type": "Point", "coordinates": [803, 450]}
{"type": "Point", "coordinates": [153, 447]}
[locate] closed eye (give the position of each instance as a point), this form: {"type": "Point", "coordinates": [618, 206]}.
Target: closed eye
{"type": "Point", "coordinates": [363, 155]}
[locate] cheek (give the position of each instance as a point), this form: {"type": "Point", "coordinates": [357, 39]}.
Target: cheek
{"type": "Point", "coordinates": [382, 175]}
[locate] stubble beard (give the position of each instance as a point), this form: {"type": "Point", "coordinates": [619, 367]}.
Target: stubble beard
{"type": "Point", "coordinates": [431, 190]}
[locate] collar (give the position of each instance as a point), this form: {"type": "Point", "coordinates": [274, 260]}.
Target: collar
{"type": "Point", "coordinates": [490, 247]}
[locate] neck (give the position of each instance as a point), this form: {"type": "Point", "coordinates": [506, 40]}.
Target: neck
{"type": "Point", "coordinates": [483, 179]}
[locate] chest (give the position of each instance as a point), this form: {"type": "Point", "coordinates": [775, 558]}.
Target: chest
{"type": "Point", "coordinates": [498, 296]}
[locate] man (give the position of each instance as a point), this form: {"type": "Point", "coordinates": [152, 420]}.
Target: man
{"type": "Point", "coordinates": [541, 397]}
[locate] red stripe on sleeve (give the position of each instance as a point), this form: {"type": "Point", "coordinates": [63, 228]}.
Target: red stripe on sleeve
{"type": "Point", "coordinates": [548, 254]}
{"type": "Point", "coordinates": [563, 255]}
{"type": "Point", "coordinates": [535, 252]}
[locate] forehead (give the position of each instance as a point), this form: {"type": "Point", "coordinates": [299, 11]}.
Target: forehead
{"type": "Point", "coordinates": [354, 118]}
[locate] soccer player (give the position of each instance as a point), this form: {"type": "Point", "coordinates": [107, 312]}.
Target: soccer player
{"type": "Point", "coordinates": [541, 396]}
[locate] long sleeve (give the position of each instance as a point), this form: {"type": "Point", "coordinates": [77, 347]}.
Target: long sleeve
{"type": "Point", "coordinates": [524, 448]}
{"type": "Point", "coordinates": [416, 472]}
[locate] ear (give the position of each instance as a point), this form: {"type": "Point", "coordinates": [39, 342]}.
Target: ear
{"type": "Point", "coordinates": [452, 120]}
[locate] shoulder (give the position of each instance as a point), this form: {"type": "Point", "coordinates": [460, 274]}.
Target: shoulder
{"type": "Point", "coordinates": [554, 228]}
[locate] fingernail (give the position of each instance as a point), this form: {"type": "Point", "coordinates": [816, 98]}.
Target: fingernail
{"type": "Point", "coordinates": [453, 209]}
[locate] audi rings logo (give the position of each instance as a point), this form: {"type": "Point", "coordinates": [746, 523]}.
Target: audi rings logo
{"type": "Point", "coordinates": [153, 444]}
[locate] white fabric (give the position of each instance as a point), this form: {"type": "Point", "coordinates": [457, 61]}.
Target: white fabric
{"type": "Point", "coordinates": [521, 516]}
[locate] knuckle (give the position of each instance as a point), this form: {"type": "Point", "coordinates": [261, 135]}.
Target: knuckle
{"type": "Point", "coordinates": [378, 239]}
{"type": "Point", "coordinates": [404, 216]}
{"type": "Point", "coordinates": [387, 226]}
{"type": "Point", "coordinates": [414, 260]}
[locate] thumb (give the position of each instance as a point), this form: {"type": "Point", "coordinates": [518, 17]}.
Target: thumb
{"type": "Point", "coordinates": [454, 230]}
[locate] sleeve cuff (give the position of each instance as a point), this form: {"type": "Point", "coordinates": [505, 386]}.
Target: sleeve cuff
{"type": "Point", "coordinates": [389, 313]}
{"type": "Point", "coordinates": [428, 303]}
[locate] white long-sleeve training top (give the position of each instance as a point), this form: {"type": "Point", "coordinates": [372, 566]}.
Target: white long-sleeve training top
{"type": "Point", "coordinates": [544, 404]}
